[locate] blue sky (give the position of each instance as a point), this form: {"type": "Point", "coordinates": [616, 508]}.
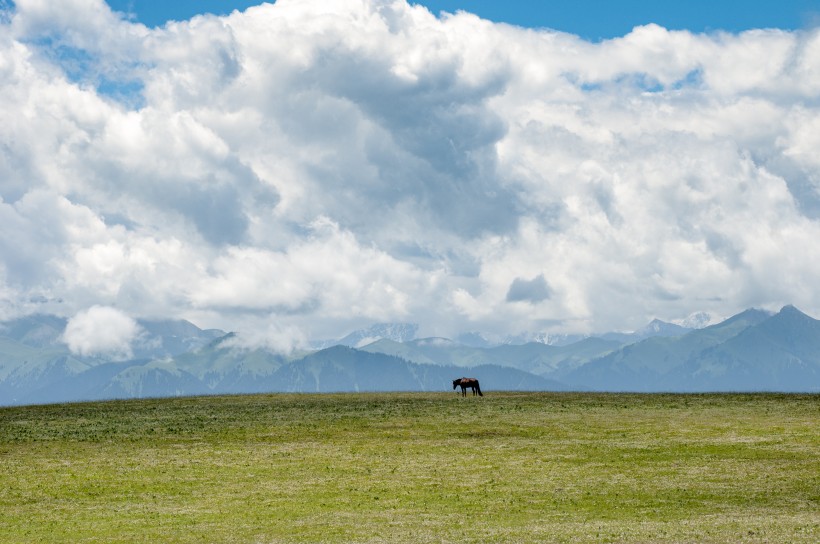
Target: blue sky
{"type": "Point", "coordinates": [590, 19]}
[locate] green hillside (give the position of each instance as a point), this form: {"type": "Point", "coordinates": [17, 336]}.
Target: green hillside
{"type": "Point", "coordinates": [414, 467]}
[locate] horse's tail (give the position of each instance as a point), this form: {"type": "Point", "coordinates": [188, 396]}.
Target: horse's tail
{"type": "Point", "coordinates": [478, 388]}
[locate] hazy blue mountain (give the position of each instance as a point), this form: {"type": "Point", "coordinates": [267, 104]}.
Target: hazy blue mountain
{"type": "Point", "coordinates": [406, 350]}
{"type": "Point", "coordinates": [158, 338]}
{"type": "Point", "coordinates": [437, 351]}
{"type": "Point", "coordinates": [542, 338]}
{"type": "Point", "coordinates": [406, 332]}
{"type": "Point", "coordinates": [474, 340]}
{"type": "Point", "coordinates": [128, 379]}
{"type": "Point", "coordinates": [37, 374]}
{"type": "Point", "coordinates": [551, 360]}
{"type": "Point", "coordinates": [15, 354]}
{"type": "Point", "coordinates": [780, 353]}
{"type": "Point", "coordinates": [750, 351]}
{"type": "Point", "coordinates": [654, 329]}
{"type": "Point", "coordinates": [35, 363]}
{"type": "Point", "coordinates": [31, 357]}
{"type": "Point", "coordinates": [397, 332]}
{"type": "Point", "coordinates": [753, 350]}
{"type": "Point", "coordinates": [88, 385]}
{"type": "Point", "coordinates": [341, 368]}
{"type": "Point", "coordinates": [226, 367]}
{"type": "Point", "coordinates": [568, 357]}
{"type": "Point", "coordinates": [562, 339]}
{"type": "Point", "coordinates": [34, 330]}
{"type": "Point", "coordinates": [534, 357]}
{"type": "Point", "coordinates": [153, 379]}
{"type": "Point", "coordinates": [216, 368]}
{"type": "Point", "coordinates": [730, 327]}
{"type": "Point", "coordinates": [167, 338]}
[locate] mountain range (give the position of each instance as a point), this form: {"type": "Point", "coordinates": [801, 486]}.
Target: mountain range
{"type": "Point", "coordinates": [752, 351]}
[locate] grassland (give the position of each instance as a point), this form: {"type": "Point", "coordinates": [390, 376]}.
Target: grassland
{"type": "Point", "coordinates": [508, 467]}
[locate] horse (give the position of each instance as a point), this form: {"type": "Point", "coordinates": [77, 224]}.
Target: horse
{"type": "Point", "coordinates": [472, 383]}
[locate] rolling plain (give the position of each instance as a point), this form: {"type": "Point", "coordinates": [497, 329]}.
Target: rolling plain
{"type": "Point", "coordinates": [414, 467]}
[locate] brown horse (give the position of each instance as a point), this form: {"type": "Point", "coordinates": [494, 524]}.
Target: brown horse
{"type": "Point", "coordinates": [472, 383]}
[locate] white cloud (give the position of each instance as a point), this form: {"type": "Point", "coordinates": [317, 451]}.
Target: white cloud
{"type": "Point", "coordinates": [274, 337]}
{"type": "Point", "coordinates": [101, 330]}
{"type": "Point", "coordinates": [308, 166]}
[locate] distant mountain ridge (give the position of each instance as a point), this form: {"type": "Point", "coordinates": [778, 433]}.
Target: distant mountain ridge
{"type": "Point", "coordinates": [167, 338]}
{"type": "Point", "coordinates": [406, 332]}
{"type": "Point", "coordinates": [751, 351]}
{"type": "Point", "coordinates": [34, 358]}
{"type": "Point", "coordinates": [779, 353]}
{"type": "Point", "coordinates": [656, 327]}
{"type": "Point", "coordinates": [35, 330]}
{"type": "Point", "coordinates": [533, 357]}
{"type": "Point", "coordinates": [398, 332]}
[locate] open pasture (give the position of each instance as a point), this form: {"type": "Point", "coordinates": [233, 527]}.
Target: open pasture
{"type": "Point", "coordinates": [426, 467]}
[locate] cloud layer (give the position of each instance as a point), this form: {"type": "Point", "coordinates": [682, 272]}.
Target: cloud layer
{"type": "Point", "coordinates": [308, 167]}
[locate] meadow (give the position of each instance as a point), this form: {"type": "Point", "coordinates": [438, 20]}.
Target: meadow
{"type": "Point", "coordinates": [414, 467]}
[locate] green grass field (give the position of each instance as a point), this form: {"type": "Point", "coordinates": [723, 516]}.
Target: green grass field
{"type": "Point", "coordinates": [427, 467]}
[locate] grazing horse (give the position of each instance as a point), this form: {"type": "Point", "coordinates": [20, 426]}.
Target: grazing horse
{"type": "Point", "coordinates": [472, 383]}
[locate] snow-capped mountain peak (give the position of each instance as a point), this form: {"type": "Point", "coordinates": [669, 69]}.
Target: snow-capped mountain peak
{"type": "Point", "coordinates": [697, 320]}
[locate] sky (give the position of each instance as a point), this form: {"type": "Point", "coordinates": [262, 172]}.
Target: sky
{"type": "Point", "coordinates": [590, 19]}
{"type": "Point", "coordinates": [298, 170]}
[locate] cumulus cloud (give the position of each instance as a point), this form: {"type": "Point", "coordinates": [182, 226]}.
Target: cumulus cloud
{"type": "Point", "coordinates": [304, 167]}
{"type": "Point", "coordinates": [101, 330]}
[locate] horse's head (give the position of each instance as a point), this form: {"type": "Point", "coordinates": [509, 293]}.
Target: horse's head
{"type": "Point", "coordinates": [456, 383]}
